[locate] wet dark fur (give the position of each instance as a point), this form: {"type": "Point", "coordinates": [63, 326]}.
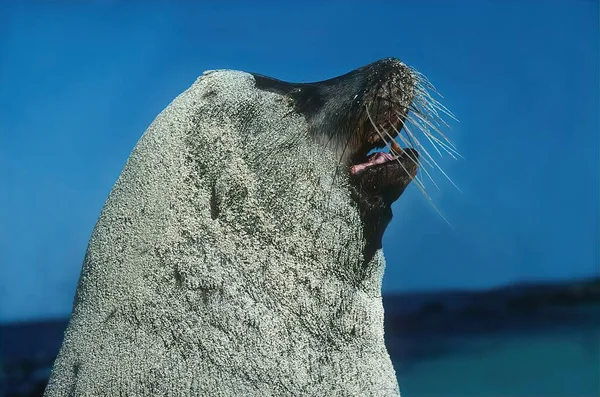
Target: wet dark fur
{"type": "Point", "coordinates": [338, 112]}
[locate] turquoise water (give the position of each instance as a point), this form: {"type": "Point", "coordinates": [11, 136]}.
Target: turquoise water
{"type": "Point", "coordinates": [550, 352]}
{"type": "Point", "coordinates": [552, 363]}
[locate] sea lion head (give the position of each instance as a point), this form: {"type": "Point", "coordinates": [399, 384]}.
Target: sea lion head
{"type": "Point", "coordinates": [353, 115]}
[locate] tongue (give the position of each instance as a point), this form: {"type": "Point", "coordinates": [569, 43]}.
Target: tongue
{"type": "Point", "coordinates": [377, 158]}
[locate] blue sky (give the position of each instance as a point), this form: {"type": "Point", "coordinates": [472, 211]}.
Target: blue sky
{"type": "Point", "coordinates": [79, 84]}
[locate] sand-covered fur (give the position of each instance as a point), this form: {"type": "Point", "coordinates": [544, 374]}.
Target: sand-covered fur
{"type": "Point", "coordinates": [227, 262]}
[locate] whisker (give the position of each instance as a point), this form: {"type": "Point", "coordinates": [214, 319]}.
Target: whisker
{"type": "Point", "coordinates": [420, 167]}
{"type": "Point", "coordinates": [424, 120]}
{"type": "Point", "coordinates": [418, 184]}
{"type": "Point", "coordinates": [437, 165]}
{"type": "Point", "coordinates": [424, 85]}
{"type": "Point", "coordinates": [425, 99]}
{"type": "Point", "coordinates": [420, 145]}
{"type": "Point", "coordinates": [423, 115]}
{"type": "Point", "coordinates": [409, 156]}
{"type": "Point", "coordinates": [452, 152]}
{"type": "Point", "coordinates": [420, 128]}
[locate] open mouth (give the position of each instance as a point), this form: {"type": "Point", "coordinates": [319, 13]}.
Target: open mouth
{"type": "Point", "coordinates": [378, 149]}
{"type": "Point", "coordinates": [385, 174]}
{"type": "Point", "coordinates": [382, 157]}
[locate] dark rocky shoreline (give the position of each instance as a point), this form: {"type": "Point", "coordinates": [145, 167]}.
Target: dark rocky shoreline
{"type": "Point", "coordinates": [27, 350]}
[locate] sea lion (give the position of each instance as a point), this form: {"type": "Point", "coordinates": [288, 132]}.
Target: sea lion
{"type": "Point", "coordinates": [238, 253]}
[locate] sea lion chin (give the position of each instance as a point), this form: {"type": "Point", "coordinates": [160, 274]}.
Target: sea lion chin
{"type": "Point", "coordinates": [238, 253]}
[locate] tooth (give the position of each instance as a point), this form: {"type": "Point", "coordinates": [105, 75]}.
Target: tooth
{"type": "Point", "coordinates": [395, 147]}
